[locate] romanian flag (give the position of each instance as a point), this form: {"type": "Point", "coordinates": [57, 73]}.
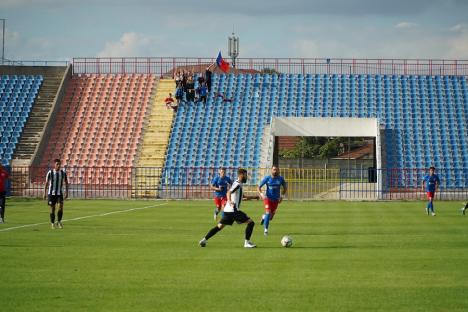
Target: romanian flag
{"type": "Point", "coordinates": [222, 64]}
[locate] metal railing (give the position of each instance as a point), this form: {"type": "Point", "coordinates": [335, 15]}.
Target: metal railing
{"type": "Point", "coordinates": [34, 63]}
{"type": "Point", "coordinates": [193, 183]}
{"type": "Point", "coordinates": [166, 66]}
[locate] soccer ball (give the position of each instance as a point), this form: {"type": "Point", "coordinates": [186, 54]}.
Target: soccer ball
{"type": "Point", "coordinates": [286, 241]}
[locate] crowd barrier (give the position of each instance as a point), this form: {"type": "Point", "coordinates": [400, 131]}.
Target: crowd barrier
{"type": "Point", "coordinates": [166, 66]}
{"type": "Point", "coordinates": [194, 183]}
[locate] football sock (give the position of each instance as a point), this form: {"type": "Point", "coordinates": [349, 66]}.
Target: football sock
{"type": "Point", "coordinates": [212, 232]}
{"type": "Point", "coordinates": [266, 221]}
{"type": "Point", "coordinates": [59, 215]}
{"type": "Point", "coordinates": [431, 206]}
{"type": "Point", "coordinates": [222, 214]}
{"type": "Point", "coordinates": [52, 217]}
{"type": "Point", "coordinates": [249, 230]}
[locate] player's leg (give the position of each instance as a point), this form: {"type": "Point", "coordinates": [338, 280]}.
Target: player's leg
{"type": "Point", "coordinates": [269, 214]}
{"type": "Point", "coordinates": [223, 204]}
{"type": "Point", "coordinates": [431, 204]}
{"type": "Point", "coordinates": [2, 207]}
{"type": "Point", "coordinates": [464, 208]}
{"type": "Point", "coordinates": [218, 207]}
{"type": "Point", "coordinates": [267, 210]}
{"type": "Point", "coordinates": [210, 234]}
{"type": "Point", "coordinates": [52, 204]}
{"type": "Point", "coordinates": [248, 234]}
{"type": "Point", "coordinates": [60, 213]}
{"type": "Point", "coordinates": [428, 205]}
{"type": "Point", "coordinates": [227, 219]}
{"type": "Point", "coordinates": [242, 218]}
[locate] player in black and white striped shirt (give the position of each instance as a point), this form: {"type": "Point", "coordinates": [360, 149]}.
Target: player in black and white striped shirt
{"type": "Point", "coordinates": [233, 213]}
{"type": "Point", "coordinates": [56, 179]}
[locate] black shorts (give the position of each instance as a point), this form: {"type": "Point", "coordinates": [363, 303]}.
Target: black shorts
{"type": "Point", "coordinates": [238, 216]}
{"type": "Point", "coordinates": [54, 199]}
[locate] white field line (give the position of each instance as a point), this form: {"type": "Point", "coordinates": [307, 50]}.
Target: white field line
{"type": "Point", "coordinates": [81, 218]}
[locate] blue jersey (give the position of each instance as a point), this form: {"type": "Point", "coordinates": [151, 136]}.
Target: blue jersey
{"type": "Point", "coordinates": [431, 181]}
{"type": "Point", "coordinates": [222, 183]}
{"type": "Point", "coordinates": [203, 91]}
{"type": "Point", "coordinates": [273, 191]}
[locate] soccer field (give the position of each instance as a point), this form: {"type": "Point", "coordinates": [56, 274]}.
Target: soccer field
{"type": "Point", "coordinates": [347, 256]}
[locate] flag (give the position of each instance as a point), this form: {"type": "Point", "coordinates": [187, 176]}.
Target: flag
{"type": "Point", "coordinates": [222, 64]}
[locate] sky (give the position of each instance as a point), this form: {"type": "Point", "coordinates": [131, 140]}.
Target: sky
{"type": "Point", "coordinates": [63, 29]}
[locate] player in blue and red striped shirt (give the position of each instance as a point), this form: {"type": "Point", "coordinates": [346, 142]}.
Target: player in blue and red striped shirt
{"type": "Point", "coordinates": [220, 185]}
{"type": "Point", "coordinates": [272, 196]}
{"type": "Point", "coordinates": [431, 183]}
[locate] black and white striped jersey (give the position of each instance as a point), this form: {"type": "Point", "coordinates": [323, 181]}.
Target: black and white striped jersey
{"type": "Point", "coordinates": [55, 180]}
{"type": "Point", "coordinates": [236, 197]}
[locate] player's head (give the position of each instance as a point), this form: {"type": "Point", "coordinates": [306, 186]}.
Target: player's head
{"type": "Point", "coordinates": [57, 164]}
{"type": "Point", "coordinates": [275, 171]}
{"type": "Point", "coordinates": [242, 175]}
{"type": "Point", "coordinates": [222, 172]}
{"type": "Point", "coordinates": [170, 95]}
{"type": "Point", "coordinates": [432, 170]}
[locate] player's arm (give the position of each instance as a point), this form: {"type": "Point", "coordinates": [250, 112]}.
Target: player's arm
{"type": "Point", "coordinates": [46, 184]}
{"type": "Point", "coordinates": [214, 187]}
{"type": "Point", "coordinates": [259, 188]}
{"type": "Point", "coordinates": [233, 188]}
{"type": "Point", "coordinates": [228, 195]}
{"type": "Point", "coordinates": [437, 184]}
{"type": "Point", "coordinates": [66, 185]}
{"type": "Point", "coordinates": [285, 190]}
{"type": "Point", "coordinates": [424, 185]}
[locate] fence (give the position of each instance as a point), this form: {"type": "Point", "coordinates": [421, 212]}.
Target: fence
{"type": "Point", "coordinates": [165, 66]}
{"type": "Point", "coordinates": [194, 183]}
{"type": "Point", "coordinates": [33, 63]}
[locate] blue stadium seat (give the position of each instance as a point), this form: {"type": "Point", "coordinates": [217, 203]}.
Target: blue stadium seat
{"type": "Point", "coordinates": [17, 95]}
{"type": "Point", "coordinates": [404, 104]}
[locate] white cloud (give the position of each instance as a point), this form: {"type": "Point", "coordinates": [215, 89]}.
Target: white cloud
{"type": "Point", "coordinates": [305, 48]}
{"type": "Point", "coordinates": [405, 25]}
{"type": "Point", "coordinates": [129, 44]}
{"type": "Point", "coordinates": [462, 27]}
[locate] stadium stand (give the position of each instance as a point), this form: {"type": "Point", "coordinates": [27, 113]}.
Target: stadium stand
{"type": "Point", "coordinates": [17, 96]}
{"type": "Point", "coordinates": [100, 120]}
{"type": "Point", "coordinates": [41, 111]}
{"type": "Point", "coordinates": [155, 140]}
{"type": "Point", "coordinates": [230, 133]}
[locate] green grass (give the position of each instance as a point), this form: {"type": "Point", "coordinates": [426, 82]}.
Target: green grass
{"type": "Point", "coordinates": [347, 256]}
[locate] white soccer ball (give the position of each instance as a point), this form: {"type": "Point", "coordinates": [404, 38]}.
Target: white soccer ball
{"type": "Point", "coordinates": [286, 241]}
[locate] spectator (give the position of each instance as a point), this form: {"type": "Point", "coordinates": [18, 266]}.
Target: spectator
{"type": "Point", "coordinates": [200, 80]}
{"type": "Point", "coordinates": [179, 95]}
{"type": "Point", "coordinates": [203, 93]}
{"type": "Point", "coordinates": [178, 77]}
{"type": "Point", "coordinates": [169, 101]}
{"type": "Point", "coordinates": [208, 74]}
{"type": "Point", "coordinates": [190, 90]}
{"type": "Point", "coordinates": [184, 80]}
{"type": "Point", "coordinates": [175, 106]}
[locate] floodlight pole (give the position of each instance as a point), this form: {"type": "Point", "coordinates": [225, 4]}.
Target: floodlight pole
{"type": "Point", "coordinates": [233, 48]}
{"type": "Point", "coordinates": [3, 40]}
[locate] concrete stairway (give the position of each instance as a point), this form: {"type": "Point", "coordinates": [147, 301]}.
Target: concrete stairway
{"type": "Point", "coordinates": [155, 141]}
{"type": "Point", "coordinates": [39, 115]}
